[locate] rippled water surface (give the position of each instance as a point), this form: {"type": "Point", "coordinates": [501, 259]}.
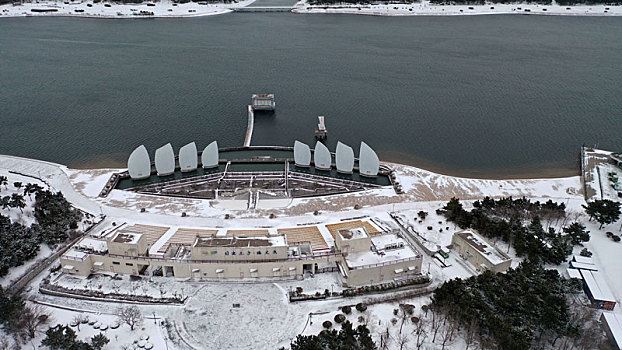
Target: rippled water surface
{"type": "Point", "coordinates": [476, 96]}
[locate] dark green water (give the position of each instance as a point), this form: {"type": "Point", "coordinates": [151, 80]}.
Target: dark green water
{"type": "Point", "coordinates": [477, 95]}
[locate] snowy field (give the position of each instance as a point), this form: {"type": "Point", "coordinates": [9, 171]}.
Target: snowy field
{"type": "Point", "coordinates": [424, 8]}
{"type": "Point", "coordinates": [163, 8]}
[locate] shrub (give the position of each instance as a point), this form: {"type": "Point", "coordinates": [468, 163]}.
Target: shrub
{"type": "Point", "coordinates": [327, 324]}
{"type": "Point", "coordinates": [360, 307]}
{"type": "Point", "coordinates": [585, 252]}
{"type": "Point", "coordinates": [340, 318]}
{"type": "Point", "coordinates": [346, 309]}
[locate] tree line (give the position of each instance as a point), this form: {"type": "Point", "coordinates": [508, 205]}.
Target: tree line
{"type": "Point", "coordinates": [348, 338]}
{"type": "Point", "coordinates": [503, 219]}
{"type": "Point", "coordinates": [56, 221]}
{"type": "Point", "coordinates": [529, 307]}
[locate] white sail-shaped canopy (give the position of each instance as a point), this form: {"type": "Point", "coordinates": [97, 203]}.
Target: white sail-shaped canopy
{"type": "Point", "coordinates": [302, 154]}
{"type": "Point", "coordinates": [321, 157]}
{"type": "Point", "coordinates": [165, 160]}
{"type": "Point", "coordinates": [344, 158]}
{"type": "Point", "coordinates": [139, 164]}
{"type": "Point", "coordinates": [209, 157]}
{"type": "Point", "coordinates": [188, 157]}
{"type": "Point", "coordinates": [369, 164]}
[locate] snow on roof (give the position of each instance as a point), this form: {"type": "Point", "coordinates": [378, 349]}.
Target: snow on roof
{"type": "Point", "coordinates": [127, 237]}
{"type": "Point", "coordinates": [369, 257]}
{"type": "Point", "coordinates": [582, 259]}
{"type": "Point", "coordinates": [597, 286]}
{"type": "Point", "coordinates": [574, 273]}
{"type": "Point", "coordinates": [75, 254]}
{"type": "Point", "coordinates": [96, 245]}
{"type": "Point", "coordinates": [382, 242]}
{"type": "Point", "coordinates": [354, 233]}
{"type": "Point", "coordinates": [582, 266]}
{"type": "Point", "coordinates": [275, 241]}
{"type": "Point", "coordinates": [489, 252]}
{"type": "Point", "coordinates": [614, 321]}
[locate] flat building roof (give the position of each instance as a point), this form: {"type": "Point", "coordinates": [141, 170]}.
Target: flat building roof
{"type": "Point", "coordinates": [238, 242]}
{"type": "Point", "coordinates": [127, 237]}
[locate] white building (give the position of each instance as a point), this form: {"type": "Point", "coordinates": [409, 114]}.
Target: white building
{"type": "Point", "coordinates": [476, 250]}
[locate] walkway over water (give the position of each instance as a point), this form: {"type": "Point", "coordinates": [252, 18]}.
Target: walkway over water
{"type": "Point", "coordinates": [273, 3]}
{"type": "Point", "coordinates": [263, 9]}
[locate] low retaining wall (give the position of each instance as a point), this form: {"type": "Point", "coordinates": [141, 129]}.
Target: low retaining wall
{"type": "Point", "coordinates": [107, 297]}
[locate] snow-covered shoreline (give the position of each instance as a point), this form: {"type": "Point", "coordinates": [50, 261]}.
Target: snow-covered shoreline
{"type": "Point", "coordinates": [166, 9]}
{"type": "Point", "coordinates": [89, 9]}
{"type": "Point", "coordinates": [424, 8]}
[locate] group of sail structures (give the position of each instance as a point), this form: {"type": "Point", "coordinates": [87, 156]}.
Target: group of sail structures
{"type": "Point", "coordinates": [139, 162]}
{"type": "Point", "coordinates": [369, 164]}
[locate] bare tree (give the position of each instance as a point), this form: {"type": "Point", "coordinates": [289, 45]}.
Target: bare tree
{"type": "Point", "coordinates": [34, 317]}
{"type": "Point", "coordinates": [421, 331]}
{"type": "Point", "coordinates": [406, 310]}
{"type": "Point", "coordinates": [131, 316]}
{"type": "Point", "coordinates": [438, 319]}
{"type": "Point", "coordinates": [471, 333]}
{"type": "Point", "coordinates": [385, 338]}
{"type": "Point", "coordinates": [402, 340]}
{"type": "Point", "coordinates": [447, 335]}
{"type": "Point", "coordinates": [79, 319]}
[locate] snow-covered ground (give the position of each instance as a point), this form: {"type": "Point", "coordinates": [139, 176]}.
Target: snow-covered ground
{"type": "Point", "coordinates": [265, 319]}
{"type": "Point", "coordinates": [425, 8]}
{"type": "Point", "coordinates": [163, 8]}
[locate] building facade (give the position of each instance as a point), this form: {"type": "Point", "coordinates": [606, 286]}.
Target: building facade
{"type": "Point", "coordinates": [360, 258]}
{"type": "Point", "coordinates": [476, 250]}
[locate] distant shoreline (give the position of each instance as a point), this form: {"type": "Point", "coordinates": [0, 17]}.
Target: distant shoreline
{"type": "Point", "coordinates": [424, 8]}
{"type": "Point", "coordinates": [167, 9]}
{"type": "Point", "coordinates": [107, 10]}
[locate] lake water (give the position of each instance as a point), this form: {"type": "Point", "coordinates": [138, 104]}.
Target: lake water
{"type": "Point", "coordinates": [475, 95]}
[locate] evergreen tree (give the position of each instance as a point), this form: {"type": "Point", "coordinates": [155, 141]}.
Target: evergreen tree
{"type": "Point", "coordinates": [17, 201]}
{"type": "Point", "coordinates": [604, 211]}
{"type": "Point", "coordinates": [577, 233]}
{"type": "Point", "coordinates": [347, 338]}
{"type": "Point", "coordinates": [62, 337]}
{"type": "Point", "coordinates": [59, 337]}
{"type": "Point", "coordinates": [98, 341]}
